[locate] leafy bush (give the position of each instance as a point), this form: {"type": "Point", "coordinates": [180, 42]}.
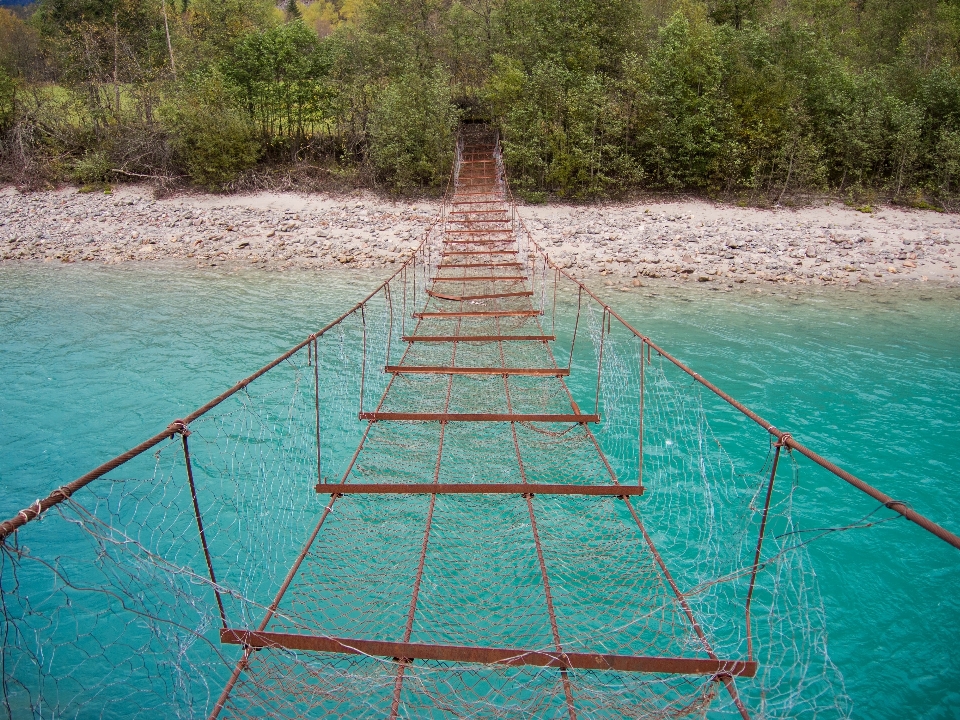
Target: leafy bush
{"type": "Point", "coordinates": [412, 129]}
{"type": "Point", "coordinates": [92, 169]}
{"type": "Point", "coordinates": [8, 97]}
{"type": "Point", "coordinates": [281, 78]}
{"type": "Point", "coordinates": [213, 141]}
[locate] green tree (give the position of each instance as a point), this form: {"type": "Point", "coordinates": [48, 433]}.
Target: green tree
{"type": "Point", "coordinates": [281, 76]}
{"type": "Point", "coordinates": [213, 141]}
{"type": "Point", "coordinates": [412, 130]}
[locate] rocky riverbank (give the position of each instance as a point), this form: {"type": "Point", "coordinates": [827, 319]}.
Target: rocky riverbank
{"type": "Point", "coordinates": [694, 240]}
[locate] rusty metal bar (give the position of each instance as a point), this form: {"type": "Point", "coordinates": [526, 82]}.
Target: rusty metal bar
{"type": "Point", "coordinates": [462, 370]}
{"type": "Point", "coordinates": [471, 221]}
{"type": "Point", "coordinates": [481, 278]}
{"type": "Point", "coordinates": [554, 630]}
{"type": "Point", "coordinates": [490, 296]}
{"type": "Point", "coordinates": [476, 313]}
{"type": "Point", "coordinates": [408, 629]}
{"type": "Point", "coordinates": [483, 231]}
{"type": "Point", "coordinates": [642, 395]}
{"type": "Point", "coordinates": [478, 417]}
{"type": "Point", "coordinates": [476, 338]}
{"type": "Point", "coordinates": [316, 400]}
{"type": "Point", "coordinates": [568, 693]}
{"type": "Point", "coordinates": [479, 265]}
{"type": "Point", "coordinates": [603, 335]}
{"type": "Point", "coordinates": [478, 252]}
{"type": "Point", "coordinates": [576, 326]}
{"type": "Point", "coordinates": [184, 432]}
{"type": "Point", "coordinates": [478, 489]}
{"type": "Point", "coordinates": [363, 363]}
{"type": "Point", "coordinates": [756, 557]}
{"type": "Point", "coordinates": [489, 655]}
{"type": "Point", "coordinates": [389, 296]}
{"type": "Point", "coordinates": [403, 316]}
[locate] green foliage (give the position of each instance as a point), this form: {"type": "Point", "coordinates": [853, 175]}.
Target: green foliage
{"type": "Point", "coordinates": [281, 77]}
{"type": "Point", "coordinates": [293, 10]}
{"type": "Point", "coordinates": [216, 25]}
{"type": "Point", "coordinates": [755, 99]}
{"type": "Point", "coordinates": [412, 130]}
{"type": "Point", "coordinates": [94, 168]}
{"type": "Point", "coordinates": [682, 117]}
{"type": "Point", "coordinates": [8, 99]}
{"type": "Point", "coordinates": [214, 141]}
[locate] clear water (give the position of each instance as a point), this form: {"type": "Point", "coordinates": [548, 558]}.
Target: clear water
{"type": "Point", "coordinates": [94, 359]}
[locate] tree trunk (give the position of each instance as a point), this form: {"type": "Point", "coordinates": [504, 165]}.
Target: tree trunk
{"type": "Point", "coordinates": [166, 27]}
{"type": "Point", "coordinates": [116, 61]}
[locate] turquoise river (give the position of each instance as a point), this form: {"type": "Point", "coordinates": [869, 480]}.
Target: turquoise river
{"type": "Point", "coordinates": [95, 359]}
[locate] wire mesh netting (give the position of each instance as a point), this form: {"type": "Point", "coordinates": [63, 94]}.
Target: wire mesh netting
{"type": "Point", "coordinates": [232, 570]}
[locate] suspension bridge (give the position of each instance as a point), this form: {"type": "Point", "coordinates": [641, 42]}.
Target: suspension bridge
{"type": "Point", "coordinates": [478, 493]}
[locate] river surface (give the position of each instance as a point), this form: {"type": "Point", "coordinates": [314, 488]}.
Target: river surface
{"type": "Point", "coordinates": [95, 359]}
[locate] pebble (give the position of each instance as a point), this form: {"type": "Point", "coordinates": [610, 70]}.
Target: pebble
{"type": "Point", "coordinates": [686, 241]}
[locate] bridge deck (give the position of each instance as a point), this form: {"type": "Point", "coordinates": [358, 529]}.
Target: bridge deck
{"type": "Point", "coordinates": [483, 480]}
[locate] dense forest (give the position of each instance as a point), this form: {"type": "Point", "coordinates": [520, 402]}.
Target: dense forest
{"type": "Point", "coordinates": [755, 100]}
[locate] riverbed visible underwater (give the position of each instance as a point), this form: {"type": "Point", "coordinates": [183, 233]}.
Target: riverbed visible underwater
{"type": "Point", "coordinates": [96, 359]}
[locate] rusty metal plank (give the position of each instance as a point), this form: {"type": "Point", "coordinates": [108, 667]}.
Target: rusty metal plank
{"type": "Point", "coordinates": [444, 253]}
{"type": "Point", "coordinates": [478, 417]}
{"type": "Point", "coordinates": [442, 370]}
{"type": "Point", "coordinates": [475, 278]}
{"type": "Point", "coordinates": [478, 489]}
{"type": "Point", "coordinates": [476, 338]}
{"type": "Point", "coordinates": [490, 296]}
{"type": "Point", "coordinates": [480, 242]}
{"type": "Point", "coordinates": [479, 265]}
{"type": "Point", "coordinates": [478, 313]}
{"type": "Point", "coordinates": [491, 656]}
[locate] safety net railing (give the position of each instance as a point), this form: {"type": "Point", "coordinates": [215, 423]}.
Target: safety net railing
{"type": "Point", "coordinates": [478, 493]}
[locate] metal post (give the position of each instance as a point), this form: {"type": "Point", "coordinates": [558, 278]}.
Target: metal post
{"type": "Point", "coordinates": [643, 363]}
{"type": "Point", "coordinates": [389, 295]}
{"type": "Point", "coordinates": [603, 335]}
{"type": "Point", "coordinates": [316, 398]}
{"type": "Point", "coordinates": [363, 366]}
{"type": "Point", "coordinates": [576, 324]}
{"type": "Point", "coordinates": [196, 509]}
{"type": "Point", "coordinates": [756, 558]}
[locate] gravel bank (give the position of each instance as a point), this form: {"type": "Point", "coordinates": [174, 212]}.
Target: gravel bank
{"type": "Point", "coordinates": [696, 241]}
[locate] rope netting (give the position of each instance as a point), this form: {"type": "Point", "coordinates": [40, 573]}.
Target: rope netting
{"type": "Point", "coordinates": [218, 572]}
